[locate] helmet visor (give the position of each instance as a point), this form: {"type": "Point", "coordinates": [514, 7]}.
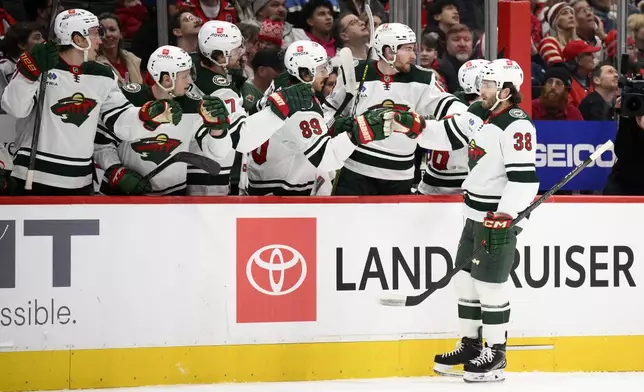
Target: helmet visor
{"type": "Point", "coordinates": [324, 69]}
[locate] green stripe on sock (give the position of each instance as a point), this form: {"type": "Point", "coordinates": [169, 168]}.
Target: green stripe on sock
{"type": "Point", "coordinates": [469, 312]}
{"type": "Point", "coordinates": [496, 318]}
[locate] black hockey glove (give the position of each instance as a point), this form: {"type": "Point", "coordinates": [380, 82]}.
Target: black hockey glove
{"type": "Point", "coordinates": [496, 226]}
{"type": "Point", "coordinates": [291, 99]}
{"type": "Point", "coordinates": [127, 182]}
{"type": "Point", "coordinates": [162, 111]}
{"type": "Point", "coordinates": [41, 58]}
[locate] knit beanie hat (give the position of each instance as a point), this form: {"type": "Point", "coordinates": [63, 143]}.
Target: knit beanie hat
{"type": "Point", "coordinates": [553, 13]}
{"type": "Point", "coordinates": [271, 31]}
{"type": "Point", "coordinates": [258, 5]}
{"type": "Point", "coordinates": [560, 73]}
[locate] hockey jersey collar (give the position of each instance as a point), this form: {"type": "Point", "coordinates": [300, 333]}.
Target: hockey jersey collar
{"type": "Point", "coordinates": [73, 69]}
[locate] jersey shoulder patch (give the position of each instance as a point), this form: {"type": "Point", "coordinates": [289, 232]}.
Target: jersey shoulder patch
{"type": "Point", "coordinates": [137, 94]}
{"type": "Point", "coordinates": [97, 69]}
{"type": "Point", "coordinates": [220, 80]}
{"type": "Point", "coordinates": [132, 88]}
{"type": "Point", "coordinates": [504, 120]}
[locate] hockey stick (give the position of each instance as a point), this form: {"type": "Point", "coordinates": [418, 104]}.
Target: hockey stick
{"type": "Point", "coordinates": [40, 104]}
{"type": "Point", "coordinates": [349, 78]}
{"type": "Point", "coordinates": [199, 161]}
{"type": "Point", "coordinates": [413, 300]}
{"type": "Point", "coordinates": [366, 67]}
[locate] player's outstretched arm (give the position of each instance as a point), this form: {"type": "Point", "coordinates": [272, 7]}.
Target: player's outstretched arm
{"type": "Point", "coordinates": [449, 134]}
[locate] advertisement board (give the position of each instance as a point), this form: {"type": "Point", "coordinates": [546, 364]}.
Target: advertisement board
{"type": "Point", "coordinates": [127, 290]}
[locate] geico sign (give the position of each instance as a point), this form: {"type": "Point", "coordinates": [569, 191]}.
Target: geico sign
{"type": "Point", "coordinates": [570, 155]}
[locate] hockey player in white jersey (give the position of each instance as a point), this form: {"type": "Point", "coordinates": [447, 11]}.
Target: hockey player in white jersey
{"type": "Point", "coordinates": [446, 170]}
{"type": "Point", "coordinates": [221, 51]}
{"type": "Point", "coordinates": [394, 82]}
{"type": "Point", "coordinates": [502, 182]}
{"type": "Point", "coordinates": [172, 70]}
{"type": "Point", "coordinates": [303, 150]}
{"type": "Point", "coordinates": [79, 93]}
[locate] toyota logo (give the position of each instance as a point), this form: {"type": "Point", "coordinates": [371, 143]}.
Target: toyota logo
{"type": "Point", "coordinates": [282, 258]}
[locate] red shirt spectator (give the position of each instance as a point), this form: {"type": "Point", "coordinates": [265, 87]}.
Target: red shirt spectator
{"type": "Point", "coordinates": [223, 10]}
{"type": "Point", "coordinates": [582, 54]}
{"type": "Point", "coordinates": [561, 19]}
{"type": "Point", "coordinates": [553, 103]}
{"type": "Point", "coordinates": [131, 14]}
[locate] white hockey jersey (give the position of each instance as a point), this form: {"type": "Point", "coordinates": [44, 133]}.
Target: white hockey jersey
{"type": "Point", "coordinates": [144, 154]}
{"type": "Point", "coordinates": [76, 99]}
{"type": "Point", "coordinates": [297, 158]}
{"type": "Point", "coordinates": [392, 158]}
{"type": "Point", "coordinates": [501, 151]}
{"type": "Point", "coordinates": [246, 132]}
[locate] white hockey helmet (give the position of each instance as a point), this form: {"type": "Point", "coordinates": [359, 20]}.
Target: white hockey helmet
{"type": "Point", "coordinates": [171, 60]}
{"type": "Point", "coordinates": [392, 35]}
{"type": "Point", "coordinates": [222, 36]}
{"type": "Point", "coordinates": [75, 21]}
{"type": "Point", "coordinates": [469, 76]}
{"type": "Point", "coordinates": [308, 56]}
{"type": "Point", "coordinates": [502, 71]}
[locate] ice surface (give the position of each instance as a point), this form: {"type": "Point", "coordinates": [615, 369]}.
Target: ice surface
{"type": "Point", "coordinates": [515, 382]}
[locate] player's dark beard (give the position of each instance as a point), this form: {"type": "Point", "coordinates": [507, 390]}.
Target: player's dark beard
{"type": "Point", "coordinates": [553, 102]}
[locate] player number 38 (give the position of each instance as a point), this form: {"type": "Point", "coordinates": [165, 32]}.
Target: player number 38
{"type": "Point", "coordinates": [523, 141]}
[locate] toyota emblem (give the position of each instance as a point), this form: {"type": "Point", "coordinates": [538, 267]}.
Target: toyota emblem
{"type": "Point", "coordinates": [280, 259]}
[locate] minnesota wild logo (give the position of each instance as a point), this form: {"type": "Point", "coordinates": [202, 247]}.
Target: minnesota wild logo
{"type": "Point", "coordinates": [75, 109]}
{"type": "Point", "coordinates": [475, 153]}
{"type": "Point", "coordinates": [155, 149]}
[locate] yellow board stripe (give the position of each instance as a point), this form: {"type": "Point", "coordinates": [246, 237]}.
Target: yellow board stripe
{"type": "Point", "coordinates": [80, 369]}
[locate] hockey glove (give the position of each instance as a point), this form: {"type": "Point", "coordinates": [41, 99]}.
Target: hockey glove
{"type": "Point", "coordinates": [371, 126]}
{"type": "Point", "coordinates": [162, 111]}
{"type": "Point", "coordinates": [214, 113]}
{"type": "Point", "coordinates": [496, 231]}
{"type": "Point", "coordinates": [409, 123]}
{"type": "Point", "coordinates": [41, 58]}
{"type": "Point", "coordinates": [127, 182]}
{"type": "Point", "coordinates": [291, 99]}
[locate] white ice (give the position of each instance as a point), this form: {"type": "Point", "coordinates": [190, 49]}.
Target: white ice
{"type": "Point", "coordinates": [515, 382]}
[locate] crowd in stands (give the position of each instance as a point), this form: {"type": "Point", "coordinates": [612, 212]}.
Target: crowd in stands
{"type": "Point", "coordinates": [573, 41]}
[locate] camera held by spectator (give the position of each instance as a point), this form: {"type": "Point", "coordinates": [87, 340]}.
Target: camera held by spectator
{"type": "Point", "coordinates": [632, 97]}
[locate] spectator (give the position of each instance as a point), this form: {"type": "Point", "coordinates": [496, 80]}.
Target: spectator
{"type": "Point", "coordinates": [553, 103]}
{"type": "Point", "coordinates": [561, 19]}
{"type": "Point", "coordinates": [244, 10]}
{"type": "Point", "coordinates": [250, 32]}
{"type": "Point", "coordinates": [318, 15]}
{"type": "Point", "coordinates": [294, 11]}
{"type": "Point", "coordinates": [633, 67]}
{"type": "Point", "coordinates": [267, 64]}
{"type": "Point", "coordinates": [443, 15]}
{"type": "Point", "coordinates": [146, 40]}
{"type": "Point", "coordinates": [206, 10]}
{"type": "Point", "coordinates": [635, 29]}
{"type": "Point", "coordinates": [271, 16]}
{"type": "Point", "coordinates": [472, 14]}
{"type": "Point", "coordinates": [581, 61]}
{"type": "Point", "coordinates": [458, 51]}
{"type": "Point", "coordinates": [626, 176]}
{"type": "Point", "coordinates": [38, 11]}
{"type": "Point", "coordinates": [357, 8]}
{"type": "Point", "coordinates": [599, 105]}
{"type": "Point", "coordinates": [429, 52]}
{"type": "Point", "coordinates": [589, 27]}
{"type": "Point", "coordinates": [125, 64]}
{"type": "Point", "coordinates": [350, 32]}
{"type": "Point", "coordinates": [184, 31]}
{"type": "Point", "coordinates": [132, 14]}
